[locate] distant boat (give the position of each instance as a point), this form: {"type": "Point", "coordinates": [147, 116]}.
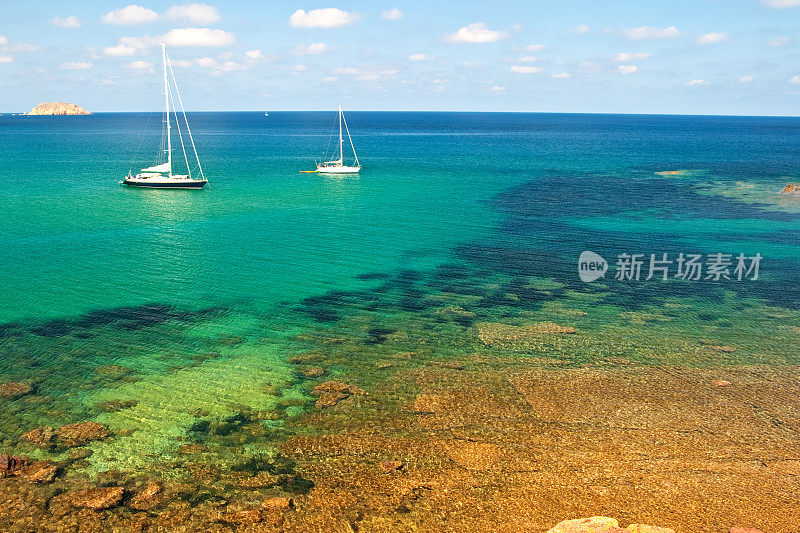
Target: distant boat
{"type": "Point", "coordinates": [337, 166]}
{"type": "Point", "coordinates": [160, 176]}
{"type": "Point", "coordinates": [266, 113]}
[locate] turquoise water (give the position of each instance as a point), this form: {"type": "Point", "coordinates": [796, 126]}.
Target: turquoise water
{"type": "Point", "coordinates": [456, 219]}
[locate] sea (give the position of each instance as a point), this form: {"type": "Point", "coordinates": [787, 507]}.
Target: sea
{"type": "Point", "coordinates": [163, 313]}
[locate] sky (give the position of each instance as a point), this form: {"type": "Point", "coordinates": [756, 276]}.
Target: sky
{"type": "Point", "coordinates": [734, 57]}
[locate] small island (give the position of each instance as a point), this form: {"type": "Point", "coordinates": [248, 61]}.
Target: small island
{"type": "Point", "coordinates": [58, 108]}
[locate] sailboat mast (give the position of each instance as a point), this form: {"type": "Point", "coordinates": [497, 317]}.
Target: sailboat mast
{"type": "Point", "coordinates": [341, 140]}
{"type": "Point", "coordinates": [166, 106]}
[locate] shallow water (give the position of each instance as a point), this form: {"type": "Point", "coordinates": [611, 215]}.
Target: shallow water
{"type": "Point", "coordinates": [201, 297]}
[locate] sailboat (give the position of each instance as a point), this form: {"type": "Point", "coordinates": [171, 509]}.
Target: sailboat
{"type": "Point", "coordinates": [337, 166]}
{"type": "Point", "coordinates": [160, 176]}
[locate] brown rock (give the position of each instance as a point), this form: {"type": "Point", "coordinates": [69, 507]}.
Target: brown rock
{"type": "Point", "coordinates": [641, 528]}
{"type": "Point", "coordinates": [745, 530]}
{"type": "Point", "coordinates": [14, 390]}
{"type": "Point", "coordinates": [428, 403]}
{"type": "Point", "coordinates": [332, 392]}
{"type": "Point", "coordinates": [145, 498]}
{"type": "Point", "coordinates": [279, 503]}
{"type": "Point", "coordinates": [259, 481]}
{"type": "Point", "coordinates": [240, 518]}
{"type": "Point", "coordinates": [720, 382]}
{"type": "Point", "coordinates": [39, 472]}
{"type": "Point", "coordinates": [474, 455]}
{"type": "Point", "coordinates": [80, 433]}
{"type": "Point", "coordinates": [595, 524]}
{"type": "Point", "coordinates": [391, 466]}
{"type": "Point", "coordinates": [495, 333]}
{"type": "Point", "coordinates": [112, 406]}
{"type": "Point", "coordinates": [96, 499]}
{"type": "Point", "coordinates": [791, 188]}
{"type": "Point", "coordinates": [41, 436]}
{"type": "Point", "coordinates": [313, 372]}
{"type": "Point", "coordinates": [191, 449]}
{"type": "Point", "coordinates": [57, 108]}
{"type": "Point", "coordinates": [9, 464]}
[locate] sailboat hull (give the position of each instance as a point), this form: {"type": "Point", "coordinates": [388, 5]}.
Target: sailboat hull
{"type": "Point", "coordinates": [164, 183]}
{"type": "Point", "coordinates": [338, 170]}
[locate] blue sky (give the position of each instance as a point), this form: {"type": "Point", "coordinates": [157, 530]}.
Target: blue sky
{"type": "Point", "coordinates": [647, 56]}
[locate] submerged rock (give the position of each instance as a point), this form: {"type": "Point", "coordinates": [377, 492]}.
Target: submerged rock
{"type": "Point", "coordinates": [14, 390]}
{"type": "Point", "coordinates": [474, 455]}
{"type": "Point", "coordinates": [391, 466]}
{"type": "Point", "coordinates": [96, 499]}
{"type": "Point", "coordinates": [9, 464]}
{"type": "Point", "coordinates": [332, 392]}
{"type": "Point", "coordinates": [41, 436]}
{"type": "Point", "coordinates": [112, 406]}
{"type": "Point", "coordinates": [791, 188]}
{"type": "Point", "coordinates": [495, 333]}
{"type": "Point", "coordinates": [279, 503]}
{"type": "Point", "coordinates": [726, 349]}
{"type": "Point", "coordinates": [39, 472]}
{"type": "Point", "coordinates": [113, 372]}
{"type": "Point", "coordinates": [145, 498]}
{"type": "Point", "coordinates": [81, 433]}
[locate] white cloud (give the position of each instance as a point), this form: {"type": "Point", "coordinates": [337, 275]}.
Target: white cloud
{"type": "Point", "coordinates": [119, 50]}
{"type": "Point", "coordinates": [561, 75]}
{"type": "Point", "coordinates": [650, 33]}
{"type": "Point", "coordinates": [392, 14]}
{"type": "Point", "coordinates": [779, 41]}
{"type": "Point", "coordinates": [330, 17]}
{"type": "Point", "coordinates": [535, 47]}
{"type": "Point", "coordinates": [713, 37]}
{"type": "Point", "coordinates": [795, 79]}
{"type": "Point", "coordinates": [498, 88]}
{"type": "Point", "coordinates": [67, 22]}
{"type": "Point", "coordinates": [130, 16]}
{"type": "Point", "coordinates": [365, 75]}
{"type": "Point", "coordinates": [197, 13]}
{"type": "Point", "coordinates": [523, 69]}
{"type": "Point", "coordinates": [128, 46]}
{"type": "Point", "coordinates": [590, 66]}
{"type": "Point", "coordinates": [696, 83]}
{"type": "Point", "coordinates": [746, 79]}
{"type": "Point", "coordinates": [205, 62]}
{"type": "Point", "coordinates": [781, 4]}
{"type": "Point", "coordinates": [311, 50]}
{"type": "Point", "coordinates": [6, 59]}
{"type": "Point", "coordinates": [581, 30]}
{"type": "Point", "coordinates": [528, 59]}
{"type": "Point", "coordinates": [418, 57]}
{"type": "Point", "coordinates": [298, 69]}
{"type": "Point", "coordinates": [3, 40]}
{"type": "Point", "coordinates": [329, 79]}
{"type": "Point", "coordinates": [254, 55]}
{"type": "Point", "coordinates": [477, 32]}
{"type": "Point", "coordinates": [626, 57]}
{"type": "Point", "coordinates": [75, 65]}
{"type": "Point", "coordinates": [140, 65]}
{"type": "Point", "coordinates": [627, 69]}
{"type": "Point", "coordinates": [198, 37]}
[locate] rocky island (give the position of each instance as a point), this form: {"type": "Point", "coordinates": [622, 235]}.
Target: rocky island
{"type": "Point", "coordinates": [58, 108]}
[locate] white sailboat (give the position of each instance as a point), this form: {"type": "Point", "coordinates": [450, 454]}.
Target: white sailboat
{"type": "Point", "coordinates": [160, 176]}
{"type": "Point", "coordinates": [337, 166]}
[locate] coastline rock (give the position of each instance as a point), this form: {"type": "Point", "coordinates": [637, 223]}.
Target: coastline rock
{"type": "Point", "coordinates": [10, 464]}
{"type": "Point", "coordinates": [57, 108]}
{"type": "Point", "coordinates": [41, 436]}
{"type": "Point", "coordinates": [791, 188]}
{"type": "Point", "coordinates": [14, 390]}
{"type": "Point", "coordinates": [332, 392]}
{"type": "Point", "coordinates": [495, 333]}
{"type": "Point", "coordinates": [391, 466]}
{"type": "Point", "coordinates": [720, 382]}
{"type": "Point", "coordinates": [96, 499]}
{"type": "Point", "coordinates": [145, 498]}
{"type": "Point", "coordinates": [81, 433]}
{"type": "Point", "coordinates": [39, 472]}
{"type": "Point", "coordinates": [279, 503]}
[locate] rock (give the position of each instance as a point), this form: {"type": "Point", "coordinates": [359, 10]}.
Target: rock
{"type": "Point", "coordinates": [304, 359]}
{"type": "Point", "coordinates": [112, 406]}
{"type": "Point", "coordinates": [145, 498]}
{"type": "Point", "coordinates": [727, 349]}
{"type": "Point", "coordinates": [312, 372]}
{"type": "Point", "coordinates": [57, 108]}
{"type": "Point", "coordinates": [80, 433]}
{"type": "Point", "coordinates": [720, 382]}
{"type": "Point", "coordinates": [14, 390]}
{"type": "Point", "coordinates": [96, 499]}
{"type": "Point", "coordinates": [332, 392]}
{"type": "Point", "coordinates": [391, 466]}
{"type": "Point", "coordinates": [78, 454]}
{"type": "Point", "coordinates": [9, 464]}
{"type": "Point", "coordinates": [240, 518]}
{"type": "Point", "coordinates": [495, 333]}
{"type": "Point", "coordinates": [112, 371]}
{"type": "Point", "coordinates": [41, 436]}
{"type": "Point", "coordinates": [595, 524]}
{"type": "Point", "coordinates": [259, 481]}
{"type": "Point", "coordinates": [279, 503]}
{"type": "Point", "coordinates": [428, 403]}
{"type": "Point", "coordinates": [474, 455]}
{"type": "Point", "coordinates": [745, 530]}
{"type": "Point", "coordinates": [641, 528]}
{"type": "Point", "coordinates": [191, 449]}
{"type": "Point", "coordinates": [39, 472]}
{"type": "Point", "coordinates": [791, 188]}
